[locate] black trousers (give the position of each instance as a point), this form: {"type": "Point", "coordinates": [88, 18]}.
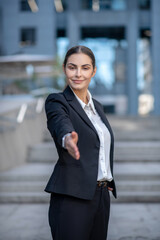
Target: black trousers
{"type": "Point", "coordinates": [72, 218]}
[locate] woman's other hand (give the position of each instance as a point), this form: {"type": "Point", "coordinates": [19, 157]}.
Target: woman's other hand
{"type": "Point", "coordinates": [71, 145]}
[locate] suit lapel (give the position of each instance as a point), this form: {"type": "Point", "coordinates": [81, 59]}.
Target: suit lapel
{"type": "Point", "coordinates": [69, 95]}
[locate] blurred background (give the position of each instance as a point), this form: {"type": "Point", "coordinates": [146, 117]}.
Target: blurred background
{"type": "Point", "coordinates": [123, 34]}
{"type": "Point", "coordinates": [125, 38]}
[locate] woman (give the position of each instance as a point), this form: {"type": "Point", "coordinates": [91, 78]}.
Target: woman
{"type": "Point", "coordinates": [83, 175]}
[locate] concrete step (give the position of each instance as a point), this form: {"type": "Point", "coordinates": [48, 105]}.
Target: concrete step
{"type": "Point", "coordinates": [135, 183]}
{"type": "Point", "coordinates": [43, 197]}
{"type": "Point", "coordinates": [128, 128]}
{"type": "Point", "coordinates": [27, 186]}
{"type": "Point", "coordinates": [24, 197]}
{"type": "Point", "coordinates": [137, 197]}
{"type": "Point", "coordinates": [124, 186]}
{"type": "Point", "coordinates": [38, 186]}
{"type": "Point", "coordinates": [122, 171]}
{"type": "Point", "coordinates": [42, 152]}
{"type": "Point", "coordinates": [28, 172]}
{"type": "Point", "coordinates": [47, 136]}
{"type": "Point", "coordinates": [137, 151]}
{"type": "Point", "coordinates": [137, 171]}
{"type": "Point", "coordinates": [124, 134]}
{"type": "Point", "coordinates": [124, 152]}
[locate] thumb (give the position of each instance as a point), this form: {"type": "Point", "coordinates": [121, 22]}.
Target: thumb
{"type": "Point", "coordinates": [74, 136]}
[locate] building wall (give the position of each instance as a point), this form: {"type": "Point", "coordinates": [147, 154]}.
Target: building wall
{"type": "Point", "coordinates": [14, 19]}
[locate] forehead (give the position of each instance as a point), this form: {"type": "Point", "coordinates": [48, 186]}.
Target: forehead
{"type": "Point", "coordinates": [79, 59]}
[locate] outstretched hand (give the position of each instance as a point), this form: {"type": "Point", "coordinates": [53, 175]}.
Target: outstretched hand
{"type": "Point", "coordinates": [71, 145]}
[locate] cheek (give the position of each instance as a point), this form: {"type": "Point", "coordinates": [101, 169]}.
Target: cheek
{"type": "Point", "coordinates": [88, 75]}
{"type": "Point", "coordinates": [69, 74]}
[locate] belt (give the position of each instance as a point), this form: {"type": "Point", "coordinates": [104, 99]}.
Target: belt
{"type": "Point", "coordinates": [102, 183]}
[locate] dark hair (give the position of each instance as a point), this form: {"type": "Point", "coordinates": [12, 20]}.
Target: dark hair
{"type": "Point", "coordinates": [80, 49]}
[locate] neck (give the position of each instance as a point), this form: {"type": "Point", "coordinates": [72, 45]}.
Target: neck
{"type": "Point", "coordinates": [82, 94]}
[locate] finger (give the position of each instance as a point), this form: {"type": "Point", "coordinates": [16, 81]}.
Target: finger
{"type": "Point", "coordinates": [110, 189]}
{"type": "Point", "coordinates": [74, 137]}
{"type": "Point", "coordinates": [74, 152]}
{"type": "Point", "coordinates": [71, 145]}
{"type": "Point", "coordinates": [75, 155]}
{"type": "Point", "coordinates": [73, 149]}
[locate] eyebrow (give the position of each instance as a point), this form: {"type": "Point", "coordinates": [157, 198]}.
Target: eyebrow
{"type": "Point", "coordinates": [82, 65]}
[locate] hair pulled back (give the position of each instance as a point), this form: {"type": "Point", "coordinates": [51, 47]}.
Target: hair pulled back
{"type": "Point", "coordinates": [80, 49]}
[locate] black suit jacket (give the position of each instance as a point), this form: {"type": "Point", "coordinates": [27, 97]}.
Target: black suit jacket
{"type": "Point", "coordinates": [73, 177]}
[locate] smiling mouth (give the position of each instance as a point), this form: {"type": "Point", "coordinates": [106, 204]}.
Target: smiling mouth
{"type": "Point", "coordinates": [77, 81]}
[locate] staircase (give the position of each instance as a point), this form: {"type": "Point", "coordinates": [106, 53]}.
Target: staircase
{"type": "Point", "coordinates": [136, 168]}
{"type": "Point", "coordinates": [137, 158]}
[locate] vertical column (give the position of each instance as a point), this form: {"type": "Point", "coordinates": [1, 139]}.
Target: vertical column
{"type": "Point", "coordinates": [132, 36]}
{"type": "Point", "coordinates": [54, 33]}
{"type": "Point", "coordinates": [73, 28]}
{"type": "Point", "coordinates": [156, 54]}
{"type": "Point", "coordinates": [1, 33]}
{"type": "Point", "coordinates": [1, 44]}
{"type": "Point", "coordinates": [51, 26]}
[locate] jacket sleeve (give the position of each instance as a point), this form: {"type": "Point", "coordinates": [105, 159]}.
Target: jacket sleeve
{"type": "Point", "coordinates": [58, 121]}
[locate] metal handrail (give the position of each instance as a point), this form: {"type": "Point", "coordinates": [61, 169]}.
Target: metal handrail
{"type": "Point", "coordinates": [23, 113]}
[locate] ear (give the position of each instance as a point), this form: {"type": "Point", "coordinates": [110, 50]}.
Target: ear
{"type": "Point", "coordinates": [94, 71]}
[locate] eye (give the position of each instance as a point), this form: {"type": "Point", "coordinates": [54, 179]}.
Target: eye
{"type": "Point", "coordinates": [86, 68]}
{"type": "Point", "coordinates": [71, 67]}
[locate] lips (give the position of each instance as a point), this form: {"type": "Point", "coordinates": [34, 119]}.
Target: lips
{"type": "Point", "coordinates": [77, 81]}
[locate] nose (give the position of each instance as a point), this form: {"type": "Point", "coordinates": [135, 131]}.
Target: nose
{"type": "Point", "coordinates": [78, 72]}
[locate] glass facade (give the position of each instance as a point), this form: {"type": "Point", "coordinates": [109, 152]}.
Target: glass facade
{"type": "Point", "coordinates": [110, 64]}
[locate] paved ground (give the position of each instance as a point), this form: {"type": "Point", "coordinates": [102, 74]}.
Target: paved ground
{"type": "Point", "coordinates": [127, 222]}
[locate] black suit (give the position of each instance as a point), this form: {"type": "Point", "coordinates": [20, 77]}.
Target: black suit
{"type": "Point", "coordinates": [75, 177]}
{"type": "Point", "coordinates": [79, 210]}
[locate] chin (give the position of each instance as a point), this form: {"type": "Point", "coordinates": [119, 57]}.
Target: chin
{"type": "Point", "coordinates": [76, 86]}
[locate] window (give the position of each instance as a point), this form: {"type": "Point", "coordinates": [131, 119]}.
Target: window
{"type": "Point", "coordinates": [109, 45]}
{"type": "Point", "coordinates": [28, 36]}
{"type": "Point", "coordinates": [61, 32]}
{"type": "Point", "coordinates": [24, 6]}
{"type": "Point", "coordinates": [144, 4]}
